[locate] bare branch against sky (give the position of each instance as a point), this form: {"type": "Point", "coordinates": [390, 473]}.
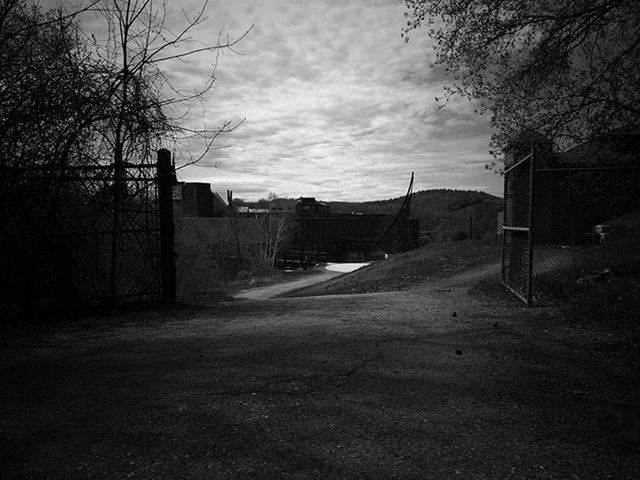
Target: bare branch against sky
{"type": "Point", "coordinates": [337, 105]}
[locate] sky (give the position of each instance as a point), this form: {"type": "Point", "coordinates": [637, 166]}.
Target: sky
{"type": "Point", "coordinates": [336, 105]}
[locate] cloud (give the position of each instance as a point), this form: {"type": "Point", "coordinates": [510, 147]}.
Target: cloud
{"type": "Point", "coordinates": [337, 104]}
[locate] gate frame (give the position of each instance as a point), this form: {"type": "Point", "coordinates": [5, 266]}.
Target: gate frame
{"type": "Point", "coordinates": [159, 175]}
{"type": "Point", "coordinates": [527, 298]}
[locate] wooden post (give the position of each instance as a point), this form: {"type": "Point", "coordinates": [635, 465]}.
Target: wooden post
{"type": "Point", "coordinates": [166, 181]}
{"type": "Point", "coordinates": [470, 227]}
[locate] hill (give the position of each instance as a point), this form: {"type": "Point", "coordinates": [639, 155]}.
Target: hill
{"type": "Point", "coordinates": [410, 269]}
{"type": "Point", "coordinates": [443, 213]}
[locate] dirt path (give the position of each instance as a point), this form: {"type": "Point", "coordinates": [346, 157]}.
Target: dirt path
{"type": "Point", "coordinates": [312, 277]}
{"type": "Point", "coordinates": [269, 291]}
{"type": "Point", "coordinates": [427, 384]}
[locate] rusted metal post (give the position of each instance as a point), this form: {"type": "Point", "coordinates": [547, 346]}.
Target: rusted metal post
{"type": "Point", "coordinates": [166, 181]}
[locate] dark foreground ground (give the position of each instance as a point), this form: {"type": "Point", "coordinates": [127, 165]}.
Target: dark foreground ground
{"type": "Point", "coordinates": [384, 385]}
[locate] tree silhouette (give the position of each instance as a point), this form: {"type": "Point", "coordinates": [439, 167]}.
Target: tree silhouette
{"type": "Point", "coordinates": [569, 69]}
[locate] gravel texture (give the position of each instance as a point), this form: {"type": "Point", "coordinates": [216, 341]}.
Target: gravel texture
{"type": "Point", "coordinates": [368, 386]}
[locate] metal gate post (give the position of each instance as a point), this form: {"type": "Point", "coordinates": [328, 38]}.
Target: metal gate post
{"type": "Point", "coordinates": [504, 232]}
{"type": "Point", "coordinates": [518, 222]}
{"type": "Point", "coordinates": [531, 210]}
{"type": "Point", "coordinates": [166, 181]}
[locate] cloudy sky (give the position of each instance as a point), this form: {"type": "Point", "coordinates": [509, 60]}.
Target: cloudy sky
{"type": "Point", "coordinates": [337, 105]}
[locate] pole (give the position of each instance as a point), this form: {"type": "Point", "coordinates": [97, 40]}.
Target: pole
{"type": "Point", "coordinates": [166, 181]}
{"type": "Point", "coordinates": [531, 211]}
{"type": "Point", "coordinates": [504, 233]}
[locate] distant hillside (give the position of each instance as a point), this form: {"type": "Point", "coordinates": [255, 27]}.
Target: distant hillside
{"type": "Point", "coordinates": [444, 213]}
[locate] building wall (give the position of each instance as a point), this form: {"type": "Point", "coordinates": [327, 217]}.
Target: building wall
{"type": "Point", "coordinates": [197, 200]}
{"type": "Point", "coordinates": [194, 199]}
{"type": "Point", "coordinates": [282, 205]}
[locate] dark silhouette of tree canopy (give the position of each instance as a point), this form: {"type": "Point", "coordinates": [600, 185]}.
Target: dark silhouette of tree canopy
{"type": "Point", "coordinates": [568, 69]}
{"type": "Point", "coordinates": [66, 95]}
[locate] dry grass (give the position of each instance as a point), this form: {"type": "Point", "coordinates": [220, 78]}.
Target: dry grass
{"type": "Point", "coordinates": [405, 270]}
{"type": "Point", "coordinates": [595, 291]}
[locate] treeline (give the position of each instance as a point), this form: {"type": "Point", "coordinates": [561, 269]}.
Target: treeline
{"type": "Point", "coordinates": [443, 213]}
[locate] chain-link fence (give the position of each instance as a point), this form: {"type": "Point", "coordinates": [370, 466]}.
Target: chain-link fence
{"type": "Point", "coordinates": [586, 232]}
{"type": "Point", "coordinates": [516, 240]}
{"type": "Point", "coordinates": [572, 229]}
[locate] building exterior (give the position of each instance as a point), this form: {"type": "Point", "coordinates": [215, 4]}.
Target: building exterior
{"type": "Point", "coordinates": [195, 199]}
{"type": "Point", "coordinates": [313, 228]}
{"type": "Point", "coordinates": [341, 235]}
{"type": "Point", "coordinates": [283, 206]}
{"type": "Point", "coordinates": [309, 207]}
{"type": "Point", "coordinates": [246, 211]}
{"type": "Point", "coordinates": [576, 191]}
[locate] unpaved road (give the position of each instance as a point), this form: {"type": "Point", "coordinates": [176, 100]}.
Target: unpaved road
{"type": "Point", "coordinates": [313, 277]}
{"type": "Point", "coordinates": [386, 385]}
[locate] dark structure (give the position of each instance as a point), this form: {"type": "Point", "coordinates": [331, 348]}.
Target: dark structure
{"type": "Point", "coordinates": [342, 236]}
{"type": "Point", "coordinates": [80, 236]}
{"type": "Point", "coordinates": [586, 186]}
{"type": "Point", "coordinates": [578, 210]}
{"type": "Point", "coordinates": [339, 235]}
{"type": "Point", "coordinates": [309, 207]}
{"type": "Point", "coordinates": [197, 200]}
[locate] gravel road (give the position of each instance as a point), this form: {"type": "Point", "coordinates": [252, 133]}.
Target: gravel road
{"type": "Point", "coordinates": [312, 277]}
{"type": "Point", "coordinates": [429, 383]}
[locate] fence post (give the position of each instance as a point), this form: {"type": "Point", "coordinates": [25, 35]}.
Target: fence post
{"type": "Point", "coordinates": [166, 181]}
{"type": "Point", "coordinates": [503, 251]}
{"type": "Point", "coordinates": [531, 219]}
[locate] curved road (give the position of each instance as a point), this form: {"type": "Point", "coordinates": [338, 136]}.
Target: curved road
{"type": "Point", "coordinates": [319, 275]}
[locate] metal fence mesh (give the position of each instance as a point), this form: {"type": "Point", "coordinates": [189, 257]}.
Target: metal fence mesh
{"type": "Point", "coordinates": [515, 258]}
{"type": "Point", "coordinates": [61, 243]}
{"type": "Point", "coordinates": [586, 232]}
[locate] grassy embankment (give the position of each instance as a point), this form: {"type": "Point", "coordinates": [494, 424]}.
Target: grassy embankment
{"type": "Point", "coordinates": [569, 279]}
{"type": "Point", "coordinates": [411, 268]}
{"type": "Point", "coordinates": [592, 285]}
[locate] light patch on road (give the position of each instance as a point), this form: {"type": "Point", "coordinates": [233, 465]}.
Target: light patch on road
{"type": "Point", "coordinates": [345, 267]}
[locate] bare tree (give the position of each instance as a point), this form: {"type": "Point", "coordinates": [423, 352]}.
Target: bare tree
{"type": "Point", "coordinates": [275, 228]}
{"type": "Point", "coordinates": [140, 95]}
{"type": "Point", "coordinates": [71, 98]}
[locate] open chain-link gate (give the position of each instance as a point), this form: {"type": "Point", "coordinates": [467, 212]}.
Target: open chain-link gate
{"type": "Point", "coordinates": [517, 238]}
